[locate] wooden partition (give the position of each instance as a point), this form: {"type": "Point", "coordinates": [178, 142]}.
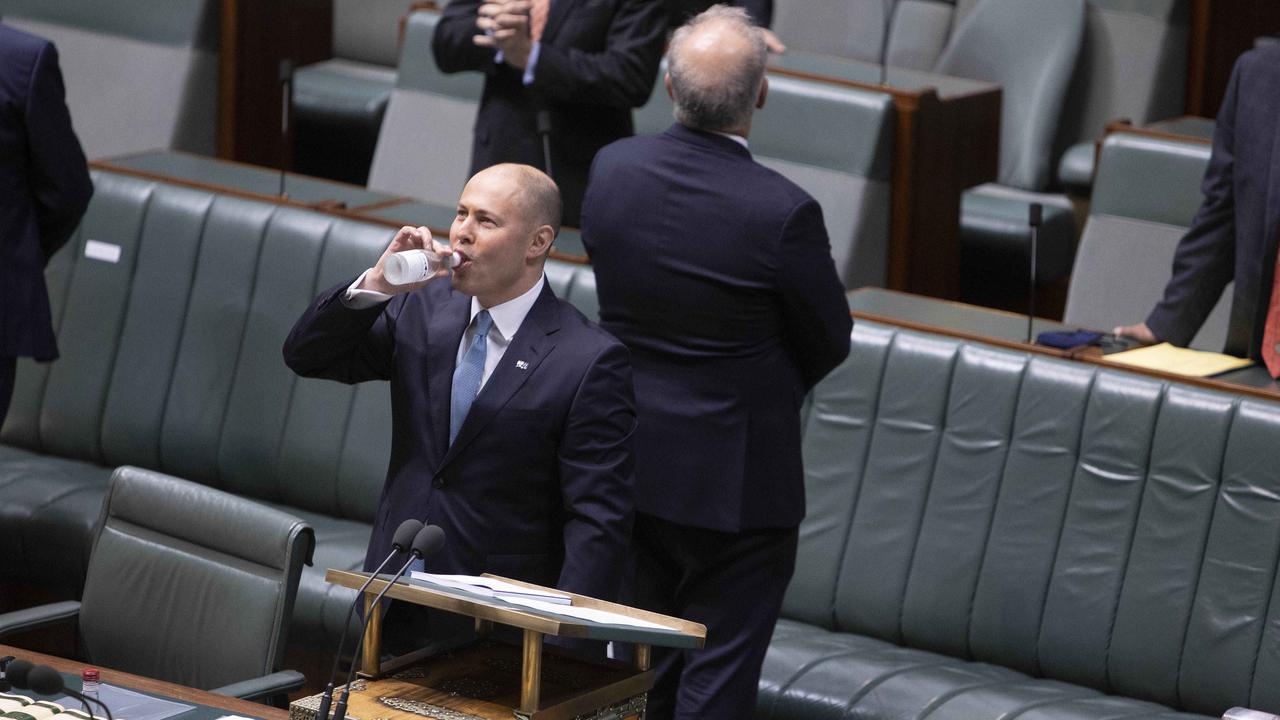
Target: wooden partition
{"type": "Point", "coordinates": [256, 36]}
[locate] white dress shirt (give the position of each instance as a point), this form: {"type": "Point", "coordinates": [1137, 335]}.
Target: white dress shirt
{"type": "Point", "coordinates": [507, 319]}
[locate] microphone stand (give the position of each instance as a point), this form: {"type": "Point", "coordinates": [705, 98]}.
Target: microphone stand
{"type": "Point", "coordinates": [1034, 218]}
{"type": "Point", "coordinates": [322, 712]}
{"type": "Point", "coordinates": [340, 710]}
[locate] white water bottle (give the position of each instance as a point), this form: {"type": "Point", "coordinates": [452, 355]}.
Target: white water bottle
{"type": "Point", "coordinates": [411, 266]}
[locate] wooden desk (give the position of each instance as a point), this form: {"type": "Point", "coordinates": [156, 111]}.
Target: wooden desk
{"type": "Point", "coordinates": [946, 139]}
{"type": "Point", "coordinates": [996, 327]}
{"type": "Point", "coordinates": [154, 687]}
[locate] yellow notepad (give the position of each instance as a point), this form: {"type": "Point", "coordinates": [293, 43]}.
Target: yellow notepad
{"type": "Point", "coordinates": [1182, 361]}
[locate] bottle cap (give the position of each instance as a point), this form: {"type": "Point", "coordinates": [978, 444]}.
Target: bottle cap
{"type": "Point", "coordinates": [89, 675]}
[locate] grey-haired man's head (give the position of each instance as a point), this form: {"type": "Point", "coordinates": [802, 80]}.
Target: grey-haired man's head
{"type": "Point", "coordinates": [715, 70]}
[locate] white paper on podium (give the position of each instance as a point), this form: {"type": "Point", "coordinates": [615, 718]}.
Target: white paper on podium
{"type": "Point", "coordinates": [491, 587]}
{"type": "Point", "coordinates": [591, 614]}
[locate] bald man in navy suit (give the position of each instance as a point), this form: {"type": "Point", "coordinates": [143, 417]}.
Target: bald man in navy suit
{"type": "Point", "coordinates": [512, 414]}
{"type": "Point", "coordinates": [44, 191]}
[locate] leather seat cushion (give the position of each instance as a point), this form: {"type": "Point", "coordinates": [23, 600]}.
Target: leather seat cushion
{"type": "Point", "coordinates": [48, 509]}
{"type": "Point", "coordinates": [813, 674]}
{"type": "Point", "coordinates": [995, 238]}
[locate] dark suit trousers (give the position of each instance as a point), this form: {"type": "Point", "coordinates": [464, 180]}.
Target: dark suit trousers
{"type": "Point", "coordinates": [7, 367]}
{"type": "Point", "coordinates": [731, 582]}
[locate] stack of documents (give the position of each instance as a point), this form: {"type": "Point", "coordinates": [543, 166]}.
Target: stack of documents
{"type": "Point", "coordinates": [1180, 361]}
{"type": "Point", "coordinates": [494, 588]}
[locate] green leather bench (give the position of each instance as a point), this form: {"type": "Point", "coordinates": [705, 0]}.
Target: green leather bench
{"type": "Point", "coordinates": [172, 304]}
{"type": "Point", "coordinates": [999, 534]}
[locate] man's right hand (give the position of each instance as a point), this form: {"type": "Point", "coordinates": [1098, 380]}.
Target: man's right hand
{"type": "Point", "coordinates": [1139, 332]}
{"type": "Point", "coordinates": [408, 238]}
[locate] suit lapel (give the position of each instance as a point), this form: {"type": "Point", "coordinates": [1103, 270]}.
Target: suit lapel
{"type": "Point", "coordinates": [532, 343]}
{"type": "Point", "coordinates": [555, 18]}
{"type": "Point", "coordinates": [444, 332]}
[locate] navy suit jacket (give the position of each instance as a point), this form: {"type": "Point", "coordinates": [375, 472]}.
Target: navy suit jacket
{"type": "Point", "coordinates": [1235, 232]}
{"type": "Point", "coordinates": [538, 484]}
{"type": "Point", "coordinates": [44, 188]}
{"type": "Point", "coordinates": [599, 59]}
{"type": "Point", "coordinates": [717, 273]}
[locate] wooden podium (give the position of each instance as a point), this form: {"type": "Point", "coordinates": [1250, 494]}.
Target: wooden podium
{"type": "Point", "coordinates": [491, 679]}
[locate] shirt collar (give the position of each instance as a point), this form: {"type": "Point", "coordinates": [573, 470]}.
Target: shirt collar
{"type": "Point", "coordinates": [736, 138]}
{"type": "Point", "coordinates": [510, 315]}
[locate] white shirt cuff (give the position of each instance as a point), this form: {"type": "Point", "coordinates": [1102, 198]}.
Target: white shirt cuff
{"type": "Point", "coordinates": [358, 299]}
{"type": "Point", "coordinates": [532, 65]}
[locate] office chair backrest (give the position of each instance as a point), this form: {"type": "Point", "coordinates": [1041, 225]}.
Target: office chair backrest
{"type": "Point", "coordinates": [368, 30]}
{"type": "Point", "coordinates": [139, 74]}
{"type": "Point", "coordinates": [1029, 47]}
{"type": "Point", "coordinates": [1146, 193]}
{"type": "Point", "coordinates": [424, 148]}
{"type": "Point", "coordinates": [189, 584]}
{"type": "Point", "coordinates": [1133, 66]}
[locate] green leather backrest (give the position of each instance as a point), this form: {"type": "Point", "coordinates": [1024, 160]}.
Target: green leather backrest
{"type": "Point", "coordinates": [417, 69]}
{"type": "Point", "coordinates": [189, 584]}
{"type": "Point", "coordinates": [1094, 526]}
{"type": "Point", "coordinates": [171, 355]}
{"type": "Point", "coordinates": [1029, 48]}
{"type": "Point", "coordinates": [178, 23]}
{"type": "Point", "coordinates": [1146, 178]}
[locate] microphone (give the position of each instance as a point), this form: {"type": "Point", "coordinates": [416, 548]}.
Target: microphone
{"type": "Point", "coordinates": [45, 680]}
{"type": "Point", "coordinates": [286, 101]}
{"type": "Point", "coordinates": [16, 673]}
{"type": "Point", "coordinates": [403, 538]}
{"type": "Point", "coordinates": [1034, 216]}
{"type": "Point", "coordinates": [427, 542]}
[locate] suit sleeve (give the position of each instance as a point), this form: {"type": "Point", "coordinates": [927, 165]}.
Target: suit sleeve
{"type": "Point", "coordinates": [1205, 259]}
{"type": "Point", "coordinates": [334, 342]}
{"type": "Point", "coordinates": [59, 174]}
{"type": "Point", "coordinates": [761, 11]}
{"type": "Point", "coordinates": [813, 303]}
{"type": "Point", "coordinates": [597, 469]}
{"type": "Point", "coordinates": [452, 45]}
{"type": "Point", "coordinates": [622, 74]}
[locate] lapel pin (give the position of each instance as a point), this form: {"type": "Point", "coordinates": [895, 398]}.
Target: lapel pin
{"type": "Point", "coordinates": [522, 365]}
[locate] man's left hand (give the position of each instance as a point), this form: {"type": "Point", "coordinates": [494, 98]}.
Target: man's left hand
{"type": "Point", "coordinates": [505, 27]}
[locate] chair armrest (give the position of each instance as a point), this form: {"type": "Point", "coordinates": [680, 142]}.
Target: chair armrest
{"type": "Point", "coordinates": [40, 616]}
{"type": "Point", "coordinates": [1075, 168]}
{"type": "Point", "coordinates": [261, 688]}
{"type": "Point", "coordinates": [1239, 713]}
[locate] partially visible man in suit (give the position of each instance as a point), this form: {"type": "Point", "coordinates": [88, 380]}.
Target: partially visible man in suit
{"type": "Point", "coordinates": [44, 190]}
{"type": "Point", "coordinates": [512, 414]}
{"type": "Point", "coordinates": [573, 69]}
{"type": "Point", "coordinates": [1236, 231]}
{"type": "Point", "coordinates": [761, 12]}
{"type": "Point", "coordinates": [717, 273]}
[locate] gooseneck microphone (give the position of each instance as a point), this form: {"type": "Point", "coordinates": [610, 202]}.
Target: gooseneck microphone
{"type": "Point", "coordinates": [403, 539]}
{"type": "Point", "coordinates": [45, 680]}
{"type": "Point", "coordinates": [427, 542]}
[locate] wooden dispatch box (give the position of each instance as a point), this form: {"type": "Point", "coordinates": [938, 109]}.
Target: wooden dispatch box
{"type": "Point", "coordinates": [492, 679]}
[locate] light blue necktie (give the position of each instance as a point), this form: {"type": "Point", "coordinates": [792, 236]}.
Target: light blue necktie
{"type": "Point", "coordinates": [466, 378]}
